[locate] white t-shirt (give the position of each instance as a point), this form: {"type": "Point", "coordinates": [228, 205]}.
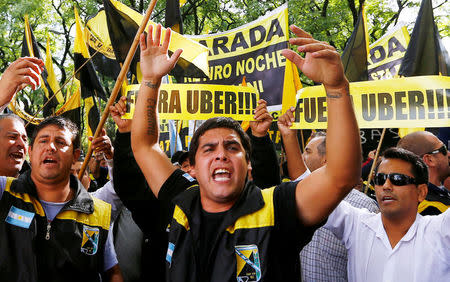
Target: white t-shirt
{"type": "Point", "coordinates": [423, 254]}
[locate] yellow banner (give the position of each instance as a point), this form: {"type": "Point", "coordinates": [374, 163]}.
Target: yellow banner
{"type": "Point", "coordinates": [421, 101]}
{"type": "Point", "coordinates": [386, 54]}
{"type": "Point", "coordinates": [200, 101]}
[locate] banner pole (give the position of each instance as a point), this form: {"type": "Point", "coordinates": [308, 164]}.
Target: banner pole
{"type": "Point", "coordinates": [119, 81]}
{"type": "Point", "coordinates": [366, 189]}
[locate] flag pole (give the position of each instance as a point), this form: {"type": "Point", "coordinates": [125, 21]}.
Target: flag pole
{"type": "Point", "coordinates": [366, 189]}
{"type": "Point", "coordinates": [119, 81]}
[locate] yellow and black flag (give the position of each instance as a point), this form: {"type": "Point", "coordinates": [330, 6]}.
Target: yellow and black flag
{"type": "Point", "coordinates": [123, 23]}
{"type": "Point", "coordinates": [72, 108]}
{"type": "Point", "coordinates": [89, 81]}
{"type": "Point", "coordinates": [122, 30]}
{"type": "Point", "coordinates": [30, 49]}
{"type": "Point", "coordinates": [354, 57]}
{"type": "Point", "coordinates": [173, 16]}
{"type": "Point", "coordinates": [97, 37]}
{"type": "Point", "coordinates": [425, 54]}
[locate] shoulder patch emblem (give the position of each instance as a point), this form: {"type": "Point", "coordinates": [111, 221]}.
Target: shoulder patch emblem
{"type": "Point", "coordinates": [188, 177]}
{"type": "Point", "coordinates": [19, 217]}
{"type": "Point", "coordinates": [89, 244]}
{"type": "Point", "coordinates": [247, 263]}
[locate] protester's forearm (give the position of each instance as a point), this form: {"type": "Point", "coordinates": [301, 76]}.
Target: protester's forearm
{"type": "Point", "coordinates": [145, 128]}
{"type": "Point", "coordinates": [343, 148]}
{"type": "Point", "coordinates": [296, 165]}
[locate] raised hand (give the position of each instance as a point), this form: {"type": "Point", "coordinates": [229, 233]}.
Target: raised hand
{"type": "Point", "coordinates": [102, 144]}
{"type": "Point", "coordinates": [117, 111]}
{"type": "Point", "coordinates": [321, 63]}
{"type": "Point", "coordinates": [155, 62]}
{"type": "Point", "coordinates": [285, 122]}
{"type": "Point", "coordinates": [21, 73]}
{"type": "Point", "coordinates": [262, 121]}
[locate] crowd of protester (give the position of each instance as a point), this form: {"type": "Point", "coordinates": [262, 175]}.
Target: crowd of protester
{"type": "Point", "coordinates": [224, 210]}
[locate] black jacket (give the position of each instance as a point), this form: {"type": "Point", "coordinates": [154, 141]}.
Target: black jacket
{"type": "Point", "coordinates": [131, 186]}
{"type": "Point", "coordinates": [32, 249]}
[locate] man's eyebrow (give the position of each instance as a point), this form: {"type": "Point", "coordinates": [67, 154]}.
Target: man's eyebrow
{"type": "Point", "coordinates": [210, 144]}
{"type": "Point", "coordinates": [43, 136]}
{"type": "Point", "coordinates": [231, 142]}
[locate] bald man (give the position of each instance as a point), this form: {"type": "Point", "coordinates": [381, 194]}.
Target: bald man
{"type": "Point", "coordinates": [435, 155]}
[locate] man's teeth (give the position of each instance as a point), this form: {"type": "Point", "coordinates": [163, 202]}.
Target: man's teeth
{"type": "Point", "coordinates": [221, 171]}
{"type": "Point", "coordinates": [17, 155]}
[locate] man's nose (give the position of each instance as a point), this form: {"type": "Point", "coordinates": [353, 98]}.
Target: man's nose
{"type": "Point", "coordinates": [221, 154]}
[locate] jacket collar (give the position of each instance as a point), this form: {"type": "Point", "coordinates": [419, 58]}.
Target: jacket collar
{"type": "Point", "coordinates": [82, 201]}
{"type": "Point", "coordinates": [249, 201]}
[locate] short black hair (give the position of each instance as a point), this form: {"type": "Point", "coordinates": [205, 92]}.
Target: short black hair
{"type": "Point", "coordinates": [419, 168]}
{"type": "Point", "coordinates": [219, 122]}
{"type": "Point", "coordinates": [62, 123]}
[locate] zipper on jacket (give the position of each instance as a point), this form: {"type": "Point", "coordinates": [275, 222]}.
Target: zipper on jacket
{"type": "Point", "coordinates": [49, 226]}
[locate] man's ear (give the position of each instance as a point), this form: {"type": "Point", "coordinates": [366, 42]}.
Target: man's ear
{"type": "Point", "coordinates": [422, 192]}
{"type": "Point", "coordinates": [76, 155]}
{"type": "Point", "coordinates": [428, 160]}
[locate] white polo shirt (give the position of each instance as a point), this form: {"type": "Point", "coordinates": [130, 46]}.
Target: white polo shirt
{"type": "Point", "coordinates": [423, 254]}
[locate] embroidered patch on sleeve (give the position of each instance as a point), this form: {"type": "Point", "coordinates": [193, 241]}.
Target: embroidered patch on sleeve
{"type": "Point", "coordinates": [247, 263]}
{"type": "Point", "coordinates": [89, 244]}
{"type": "Point", "coordinates": [19, 217]}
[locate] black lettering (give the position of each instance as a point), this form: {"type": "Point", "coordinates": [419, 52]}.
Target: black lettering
{"type": "Point", "coordinates": [238, 41]}
{"type": "Point", "coordinates": [440, 103]}
{"type": "Point", "coordinates": [206, 105]}
{"type": "Point", "coordinates": [203, 42]}
{"type": "Point", "coordinates": [430, 100]}
{"type": "Point", "coordinates": [298, 109]}
{"type": "Point", "coordinates": [321, 109]}
{"type": "Point", "coordinates": [217, 102]}
{"type": "Point", "coordinates": [230, 103]}
{"type": "Point", "coordinates": [310, 110]}
{"type": "Point", "coordinates": [381, 54]}
{"type": "Point", "coordinates": [275, 29]}
{"type": "Point", "coordinates": [394, 46]}
{"type": "Point", "coordinates": [163, 105]}
{"type": "Point", "coordinates": [368, 106]}
{"type": "Point", "coordinates": [400, 105]}
{"type": "Point", "coordinates": [253, 35]}
{"type": "Point", "coordinates": [175, 104]}
{"type": "Point", "coordinates": [385, 110]}
{"type": "Point", "coordinates": [415, 99]}
{"type": "Point", "coordinates": [219, 42]}
{"type": "Point", "coordinates": [192, 101]}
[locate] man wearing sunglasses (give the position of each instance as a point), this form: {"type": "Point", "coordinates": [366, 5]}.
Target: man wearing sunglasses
{"type": "Point", "coordinates": [404, 245]}
{"type": "Point", "coordinates": [435, 155]}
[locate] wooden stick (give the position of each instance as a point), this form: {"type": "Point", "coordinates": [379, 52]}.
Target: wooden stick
{"type": "Point", "coordinates": [374, 161]}
{"type": "Point", "coordinates": [119, 81]}
{"type": "Point", "coordinates": [303, 141]}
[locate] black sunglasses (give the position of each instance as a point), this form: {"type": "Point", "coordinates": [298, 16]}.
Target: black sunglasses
{"type": "Point", "coordinates": [397, 179]}
{"type": "Point", "coordinates": [442, 150]}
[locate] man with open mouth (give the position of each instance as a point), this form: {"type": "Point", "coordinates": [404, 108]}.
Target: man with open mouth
{"type": "Point", "coordinates": [398, 244]}
{"type": "Point", "coordinates": [226, 228]}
